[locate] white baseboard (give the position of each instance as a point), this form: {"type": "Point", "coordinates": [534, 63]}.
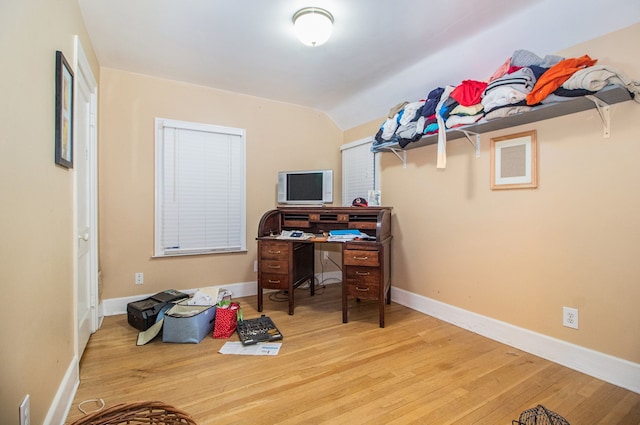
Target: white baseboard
{"type": "Point", "coordinates": [63, 400]}
{"type": "Point", "coordinates": [620, 372]}
{"type": "Point", "coordinates": [114, 306]}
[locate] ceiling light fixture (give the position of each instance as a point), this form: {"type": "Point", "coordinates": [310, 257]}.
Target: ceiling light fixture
{"type": "Point", "coordinates": [313, 25]}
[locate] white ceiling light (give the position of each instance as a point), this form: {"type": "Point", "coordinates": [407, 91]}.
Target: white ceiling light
{"type": "Point", "coordinates": [313, 25]}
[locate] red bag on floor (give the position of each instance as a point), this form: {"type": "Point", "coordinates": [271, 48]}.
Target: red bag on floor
{"type": "Point", "coordinates": [227, 314]}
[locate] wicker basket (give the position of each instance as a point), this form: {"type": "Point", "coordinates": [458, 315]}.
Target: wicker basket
{"type": "Point", "coordinates": [141, 412]}
{"type": "Point", "coordinates": [540, 415]}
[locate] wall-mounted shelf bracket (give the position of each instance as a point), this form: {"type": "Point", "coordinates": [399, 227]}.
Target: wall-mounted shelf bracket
{"type": "Point", "coordinates": [402, 158]}
{"type": "Point", "coordinates": [476, 143]}
{"type": "Point", "coordinates": [603, 111]}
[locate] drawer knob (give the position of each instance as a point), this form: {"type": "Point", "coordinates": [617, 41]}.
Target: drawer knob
{"type": "Point", "coordinates": [362, 273]}
{"type": "Point", "coordinates": [360, 258]}
{"type": "Point", "coordinates": [273, 281]}
{"type": "Point", "coordinates": [274, 251]}
{"type": "Point", "coordinates": [358, 288]}
{"type": "Point", "coordinates": [274, 266]}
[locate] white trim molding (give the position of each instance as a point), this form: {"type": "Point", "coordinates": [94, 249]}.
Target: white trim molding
{"type": "Point", "coordinates": [59, 409]}
{"type": "Point", "coordinates": [616, 371]}
{"type": "Point", "coordinates": [114, 306]}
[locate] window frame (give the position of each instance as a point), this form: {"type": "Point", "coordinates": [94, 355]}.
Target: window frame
{"type": "Point", "coordinates": [160, 125]}
{"type": "Point", "coordinates": [375, 178]}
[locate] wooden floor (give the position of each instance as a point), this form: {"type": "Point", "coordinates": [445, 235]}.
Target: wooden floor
{"type": "Point", "coordinates": [417, 370]}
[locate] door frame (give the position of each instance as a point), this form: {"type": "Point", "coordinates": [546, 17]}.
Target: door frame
{"type": "Point", "coordinates": [83, 71]}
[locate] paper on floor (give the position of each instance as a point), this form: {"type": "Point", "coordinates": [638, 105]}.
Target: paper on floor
{"type": "Point", "coordinates": [259, 349]}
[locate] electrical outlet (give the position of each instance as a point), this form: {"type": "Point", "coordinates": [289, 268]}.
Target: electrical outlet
{"type": "Point", "coordinates": [139, 278]}
{"type": "Point", "coordinates": [570, 317]}
{"type": "Point", "coordinates": [255, 266]}
{"type": "Point", "coordinates": [325, 255]}
{"type": "Point", "coordinates": [25, 411]}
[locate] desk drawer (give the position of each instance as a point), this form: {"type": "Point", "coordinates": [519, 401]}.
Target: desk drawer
{"type": "Point", "coordinates": [354, 257]}
{"type": "Point", "coordinates": [364, 292]}
{"type": "Point", "coordinates": [365, 226]}
{"type": "Point", "coordinates": [362, 276]}
{"type": "Point", "coordinates": [275, 266]}
{"type": "Point", "coordinates": [274, 281]}
{"type": "Point", "coordinates": [274, 250]}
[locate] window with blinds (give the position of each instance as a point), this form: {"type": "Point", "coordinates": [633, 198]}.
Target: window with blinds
{"type": "Point", "coordinates": [360, 170]}
{"type": "Point", "coordinates": [200, 189]}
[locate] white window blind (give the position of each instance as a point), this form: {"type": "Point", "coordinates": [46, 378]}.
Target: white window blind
{"type": "Point", "coordinates": [360, 170]}
{"type": "Point", "coordinates": [200, 188]}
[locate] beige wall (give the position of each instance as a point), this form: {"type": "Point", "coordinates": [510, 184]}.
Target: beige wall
{"type": "Point", "coordinates": [279, 137]}
{"type": "Point", "coordinates": [519, 256]}
{"type": "Point", "coordinates": [36, 217]}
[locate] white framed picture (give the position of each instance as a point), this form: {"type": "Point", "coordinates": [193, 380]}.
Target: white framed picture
{"type": "Point", "coordinates": [513, 161]}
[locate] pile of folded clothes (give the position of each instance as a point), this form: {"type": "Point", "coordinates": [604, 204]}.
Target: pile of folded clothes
{"type": "Point", "coordinates": [523, 81]}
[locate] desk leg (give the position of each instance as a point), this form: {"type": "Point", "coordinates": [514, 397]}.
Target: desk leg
{"type": "Point", "coordinates": [259, 297]}
{"type": "Point", "coordinates": [291, 292]}
{"type": "Point", "coordinates": [385, 299]}
{"type": "Point", "coordinates": [312, 279]}
{"type": "Point", "coordinates": [381, 306]}
{"type": "Point", "coordinates": [345, 303]}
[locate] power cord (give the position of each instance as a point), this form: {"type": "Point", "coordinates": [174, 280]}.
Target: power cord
{"type": "Point", "coordinates": [97, 401]}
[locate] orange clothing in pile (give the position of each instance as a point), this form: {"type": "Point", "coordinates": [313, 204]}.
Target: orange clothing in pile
{"type": "Point", "coordinates": [555, 76]}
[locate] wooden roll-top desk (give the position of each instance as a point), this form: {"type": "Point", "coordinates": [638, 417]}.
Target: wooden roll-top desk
{"type": "Point", "coordinates": [285, 264]}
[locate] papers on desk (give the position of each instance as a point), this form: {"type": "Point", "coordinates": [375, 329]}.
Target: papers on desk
{"type": "Point", "coordinates": [347, 235]}
{"type": "Point", "coordinates": [343, 235]}
{"type": "Point", "coordinates": [294, 235]}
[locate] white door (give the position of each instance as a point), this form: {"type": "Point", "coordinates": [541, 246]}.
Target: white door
{"type": "Point", "coordinates": [84, 163]}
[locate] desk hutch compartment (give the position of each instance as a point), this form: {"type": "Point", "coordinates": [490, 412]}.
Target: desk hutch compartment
{"type": "Point", "coordinates": [295, 220]}
{"type": "Point", "coordinates": [363, 221]}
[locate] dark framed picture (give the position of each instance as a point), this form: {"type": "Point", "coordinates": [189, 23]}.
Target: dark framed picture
{"type": "Point", "coordinates": [64, 112]}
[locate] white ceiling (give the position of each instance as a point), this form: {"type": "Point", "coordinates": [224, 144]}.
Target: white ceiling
{"type": "Point", "coordinates": [381, 52]}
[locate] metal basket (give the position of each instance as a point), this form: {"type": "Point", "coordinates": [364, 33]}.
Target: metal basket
{"type": "Point", "coordinates": [539, 415]}
{"type": "Point", "coordinates": [141, 412]}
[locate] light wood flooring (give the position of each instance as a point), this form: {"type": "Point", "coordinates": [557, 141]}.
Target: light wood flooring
{"type": "Point", "coordinates": [417, 370]}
